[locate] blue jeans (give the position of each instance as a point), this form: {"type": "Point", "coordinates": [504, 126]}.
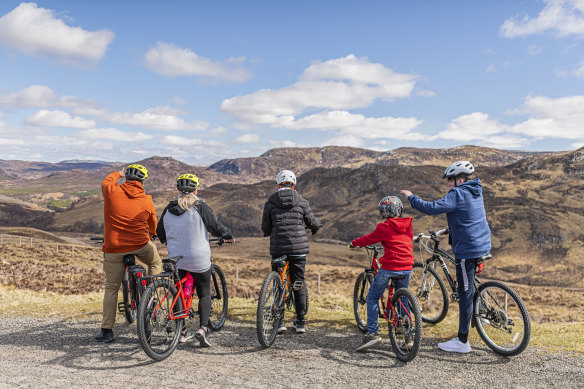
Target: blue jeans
{"type": "Point", "coordinates": [380, 282]}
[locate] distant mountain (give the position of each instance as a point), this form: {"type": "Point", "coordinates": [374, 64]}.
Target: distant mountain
{"type": "Point", "coordinates": [534, 201]}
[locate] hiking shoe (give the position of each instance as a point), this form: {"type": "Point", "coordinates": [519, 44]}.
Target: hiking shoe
{"type": "Point", "coordinates": [185, 336]}
{"type": "Point", "coordinates": [282, 330]}
{"type": "Point", "coordinates": [369, 340]}
{"type": "Point", "coordinates": [105, 336]}
{"type": "Point", "coordinates": [455, 346]}
{"type": "Point", "coordinates": [299, 326]}
{"type": "Point", "coordinates": [201, 336]}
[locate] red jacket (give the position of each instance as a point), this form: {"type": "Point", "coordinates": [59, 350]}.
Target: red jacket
{"type": "Point", "coordinates": [128, 213]}
{"type": "Point", "coordinates": [396, 236]}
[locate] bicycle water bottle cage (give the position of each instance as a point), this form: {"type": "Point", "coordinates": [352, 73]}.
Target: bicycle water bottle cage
{"type": "Point", "coordinates": [297, 285]}
{"type": "Point", "coordinates": [129, 260]}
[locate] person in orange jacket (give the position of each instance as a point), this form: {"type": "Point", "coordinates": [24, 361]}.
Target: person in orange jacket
{"type": "Point", "coordinates": [129, 226]}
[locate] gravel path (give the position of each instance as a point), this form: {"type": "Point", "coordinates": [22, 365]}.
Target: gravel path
{"type": "Point", "coordinates": [63, 354]}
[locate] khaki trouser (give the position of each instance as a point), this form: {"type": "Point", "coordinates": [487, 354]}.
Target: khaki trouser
{"type": "Point", "coordinates": [114, 268]}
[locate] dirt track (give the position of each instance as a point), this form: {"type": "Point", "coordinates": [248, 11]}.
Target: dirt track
{"type": "Point", "coordinates": [63, 354]}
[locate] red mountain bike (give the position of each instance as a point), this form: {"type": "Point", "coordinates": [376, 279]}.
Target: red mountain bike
{"type": "Point", "coordinates": [405, 325]}
{"type": "Point", "coordinates": [164, 308]}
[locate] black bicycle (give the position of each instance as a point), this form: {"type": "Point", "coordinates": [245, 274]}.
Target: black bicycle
{"type": "Point", "coordinates": [499, 314]}
{"type": "Point", "coordinates": [133, 285]}
{"type": "Point", "coordinates": [276, 295]}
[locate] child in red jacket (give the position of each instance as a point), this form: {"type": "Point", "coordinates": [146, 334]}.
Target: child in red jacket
{"type": "Point", "coordinates": [395, 235]}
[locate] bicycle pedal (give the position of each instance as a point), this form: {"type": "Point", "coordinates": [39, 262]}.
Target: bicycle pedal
{"type": "Point", "coordinates": [121, 307]}
{"type": "Point", "coordinates": [297, 285]}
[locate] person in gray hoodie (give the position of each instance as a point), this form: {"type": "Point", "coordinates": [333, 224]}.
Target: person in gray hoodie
{"type": "Point", "coordinates": [184, 226]}
{"type": "Point", "coordinates": [284, 219]}
{"type": "Point", "coordinates": [470, 234]}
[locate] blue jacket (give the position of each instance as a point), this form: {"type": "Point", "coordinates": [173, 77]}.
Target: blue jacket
{"type": "Point", "coordinates": [467, 221]}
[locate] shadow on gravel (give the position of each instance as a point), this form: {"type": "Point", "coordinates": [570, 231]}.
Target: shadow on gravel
{"type": "Point", "coordinates": [77, 346]}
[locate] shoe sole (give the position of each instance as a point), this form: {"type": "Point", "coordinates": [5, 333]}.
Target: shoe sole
{"type": "Point", "coordinates": [369, 345]}
{"type": "Point", "coordinates": [202, 340]}
{"type": "Point", "coordinates": [449, 350]}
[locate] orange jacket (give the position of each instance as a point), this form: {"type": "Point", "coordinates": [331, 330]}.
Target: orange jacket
{"type": "Point", "coordinates": [129, 215]}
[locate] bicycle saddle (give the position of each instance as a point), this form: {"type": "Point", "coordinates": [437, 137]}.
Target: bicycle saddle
{"type": "Point", "coordinates": [129, 260]}
{"type": "Point", "coordinates": [279, 262]}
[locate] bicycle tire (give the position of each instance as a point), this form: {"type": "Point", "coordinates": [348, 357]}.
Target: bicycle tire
{"type": "Point", "coordinates": [270, 309]}
{"type": "Point", "coordinates": [496, 322]}
{"type": "Point", "coordinates": [129, 310]}
{"type": "Point", "coordinates": [219, 299]}
{"type": "Point", "coordinates": [431, 293]}
{"type": "Point", "coordinates": [406, 337]}
{"type": "Point", "coordinates": [157, 334]}
{"type": "Point", "coordinates": [362, 285]}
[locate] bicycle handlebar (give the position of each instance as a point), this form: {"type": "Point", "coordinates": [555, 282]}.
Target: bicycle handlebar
{"type": "Point", "coordinates": [432, 235]}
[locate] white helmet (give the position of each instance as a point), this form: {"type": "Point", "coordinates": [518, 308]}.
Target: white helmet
{"type": "Point", "coordinates": [285, 176]}
{"type": "Point", "coordinates": [458, 168]}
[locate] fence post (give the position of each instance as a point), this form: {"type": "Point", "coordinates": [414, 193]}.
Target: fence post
{"type": "Point", "coordinates": [20, 237]}
{"type": "Point", "coordinates": [72, 250]}
{"type": "Point", "coordinates": [318, 284]}
{"type": "Point", "coordinates": [236, 274]}
{"type": "Point", "coordinates": [88, 254]}
{"type": "Point", "coordinates": [57, 246]}
{"type": "Point", "coordinates": [31, 242]}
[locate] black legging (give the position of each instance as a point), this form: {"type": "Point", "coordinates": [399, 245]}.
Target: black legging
{"type": "Point", "coordinates": [297, 265]}
{"type": "Point", "coordinates": [203, 288]}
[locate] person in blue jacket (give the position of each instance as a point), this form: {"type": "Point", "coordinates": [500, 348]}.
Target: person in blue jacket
{"type": "Point", "coordinates": [471, 238]}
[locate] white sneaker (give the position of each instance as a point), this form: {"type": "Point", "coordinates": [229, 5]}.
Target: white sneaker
{"type": "Point", "coordinates": [282, 330]}
{"type": "Point", "coordinates": [455, 346]}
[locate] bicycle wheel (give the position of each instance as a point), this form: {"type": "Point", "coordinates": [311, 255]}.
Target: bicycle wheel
{"type": "Point", "coordinates": [129, 309]}
{"type": "Point", "coordinates": [270, 309]}
{"type": "Point", "coordinates": [406, 334]}
{"type": "Point", "coordinates": [430, 292]}
{"type": "Point", "coordinates": [362, 285]}
{"type": "Point", "coordinates": [501, 318]}
{"type": "Point", "coordinates": [219, 299]}
{"type": "Point", "coordinates": [158, 334]}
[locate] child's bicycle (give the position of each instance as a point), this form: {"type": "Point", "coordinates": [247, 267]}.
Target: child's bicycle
{"type": "Point", "coordinates": [133, 285]}
{"type": "Point", "coordinates": [405, 325]}
{"type": "Point", "coordinates": [276, 294]}
{"type": "Point", "coordinates": [499, 314]}
{"type": "Point", "coordinates": [164, 308]}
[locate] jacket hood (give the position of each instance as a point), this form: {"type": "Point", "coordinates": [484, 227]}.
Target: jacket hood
{"type": "Point", "coordinates": [473, 186]}
{"type": "Point", "coordinates": [175, 209]}
{"type": "Point", "coordinates": [400, 224]}
{"type": "Point", "coordinates": [133, 189]}
{"type": "Point", "coordinates": [285, 198]}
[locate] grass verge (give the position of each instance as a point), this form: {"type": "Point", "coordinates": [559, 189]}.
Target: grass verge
{"type": "Point", "coordinates": [334, 312]}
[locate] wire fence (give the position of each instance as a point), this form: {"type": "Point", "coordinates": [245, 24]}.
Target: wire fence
{"type": "Point", "coordinates": [92, 252]}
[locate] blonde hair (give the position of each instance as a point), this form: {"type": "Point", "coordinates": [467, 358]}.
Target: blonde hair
{"type": "Point", "coordinates": [187, 200]}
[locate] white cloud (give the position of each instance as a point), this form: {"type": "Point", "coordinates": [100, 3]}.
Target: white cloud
{"type": "Point", "coordinates": [45, 118]}
{"type": "Point", "coordinates": [113, 134]}
{"type": "Point", "coordinates": [12, 142]}
{"type": "Point", "coordinates": [170, 61]}
{"type": "Point", "coordinates": [426, 93]}
{"type": "Point", "coordinates": [344, 140]}
{"type": "Point", "coordinates": [157, 118]}
{"type": "Point", "coordinates": [178, 100]}
{"type": "Point", "coordinates": [579, 72]}
{"type": "Point", "coordinates": [41, 96]}
{"type": "Point", "coordinates": [217, 131]}
{"type": "Point", "coordinates": [285, 143]}
{"type": "Point", "coordinates": [505, 141]}
{"type": "Point", "coordinates": [173, 140]}
{"type": "Point", "coordinates": [473, 126]}
{"type": "Point", "coordinates": [577, 145]}
{"type": "Point", "coordinates": [338, 84]}
{"type": "Point", "coordinates": [561, 17]}
{"type": "Point", "coordinates": [247, 138]}
{"type": "Point", "coordinates": [490, 69]}
{"type": "Point", "coordinates": [36, 31]}
{"type": "Point", "coordinates": [346, 123]}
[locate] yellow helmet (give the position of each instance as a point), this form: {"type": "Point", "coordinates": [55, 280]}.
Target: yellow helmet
{"type": "Point", "coordinates": [136, 172]}
{"type": "Point", "coordinates": [187, 183]}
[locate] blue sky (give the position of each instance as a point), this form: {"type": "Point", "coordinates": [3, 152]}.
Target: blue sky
{"type": "Point", "coordinates": [202, 81]}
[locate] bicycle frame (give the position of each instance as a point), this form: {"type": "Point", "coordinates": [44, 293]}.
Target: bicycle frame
{"type": "Point", "coordinates": [285, 278]}
{"type": "Point", "coordinates": [387, 312]}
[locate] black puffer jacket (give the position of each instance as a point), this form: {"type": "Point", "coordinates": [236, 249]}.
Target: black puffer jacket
{"type": "Point", "coordinates": [285, 215]}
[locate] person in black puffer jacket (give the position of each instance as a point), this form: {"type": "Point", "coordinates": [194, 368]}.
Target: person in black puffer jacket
{"type": "Point", "coordinates": [285, 216]}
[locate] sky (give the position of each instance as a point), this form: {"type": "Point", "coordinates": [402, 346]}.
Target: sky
{"type": "Point", "coordinates": [201, 81]}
